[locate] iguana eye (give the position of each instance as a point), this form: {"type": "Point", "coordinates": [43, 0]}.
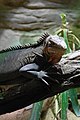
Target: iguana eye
{"type": "Point", "coordinates": [51, 44]}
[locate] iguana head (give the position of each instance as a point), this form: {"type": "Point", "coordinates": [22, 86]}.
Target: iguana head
{"type": "Point", "coordinates": [54, 48]}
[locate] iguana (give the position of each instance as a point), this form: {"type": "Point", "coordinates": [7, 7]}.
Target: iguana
{"type": "Point", "coordinates": [47, 50]}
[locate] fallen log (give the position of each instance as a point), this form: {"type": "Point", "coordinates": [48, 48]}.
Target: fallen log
{"type": "Point", "coordinates": [61, 77]}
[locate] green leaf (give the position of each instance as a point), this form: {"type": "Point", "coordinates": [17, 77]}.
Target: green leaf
{"type": "Point", "coordinates": [66, 40]}
{"type": "Point", "coordinates": [74, 101]}
{"type": "Point", "coordinates": [64, 106]}
{"type": "Point", "coordinates": [36, 111]}
{"type": "Point", "coordinates": [63, 18]}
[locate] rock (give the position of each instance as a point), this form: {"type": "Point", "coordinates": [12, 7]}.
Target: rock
{"type": "Point", "coordinates": [30, 18]}
{"type": "Point", "coordinates": [12, 2]}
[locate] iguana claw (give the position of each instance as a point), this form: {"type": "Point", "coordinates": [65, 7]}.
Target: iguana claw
{"type": "Point", "coordinates": [31, 71]}
{"type": "Point", "coordinates": [42, 75]}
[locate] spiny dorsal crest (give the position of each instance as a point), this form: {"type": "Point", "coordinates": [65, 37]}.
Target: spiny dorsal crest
{"type": "Point", "coordinates": [39, 42]}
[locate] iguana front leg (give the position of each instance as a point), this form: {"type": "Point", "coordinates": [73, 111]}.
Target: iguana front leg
{"type": "Point", "coordinates": [32, 71]}
{"type": "Point", "coordinates": [29, 67]}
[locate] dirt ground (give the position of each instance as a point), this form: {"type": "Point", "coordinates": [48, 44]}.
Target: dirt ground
{"type": "Point", "coordinates": [22, 114]}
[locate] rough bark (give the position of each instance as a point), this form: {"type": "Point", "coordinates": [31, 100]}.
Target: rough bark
{"type": "Point", "coordinates": [66, 73]}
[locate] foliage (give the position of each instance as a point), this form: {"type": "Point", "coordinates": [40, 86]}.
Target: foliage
{"type": "Point", "coordinates": [36, 110]}
{"type": "Point", "coordinates": [71, 93]}
{"type": "Point", "coordinates": [72, 43]}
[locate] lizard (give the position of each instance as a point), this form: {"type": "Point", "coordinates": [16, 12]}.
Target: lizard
{"type": "Point", "coordinates": [47, 50]}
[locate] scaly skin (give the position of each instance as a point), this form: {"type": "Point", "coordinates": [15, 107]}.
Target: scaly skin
{"type": "Point", "coordinates": [49, 49]}
{"type": "Point", "coordinates": [54, 48]}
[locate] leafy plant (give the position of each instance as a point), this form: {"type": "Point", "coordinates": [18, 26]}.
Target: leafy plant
{"type": "Point", "coordinates": [72, 42]}
{"type": "Point", "coordinates": [71, 93]}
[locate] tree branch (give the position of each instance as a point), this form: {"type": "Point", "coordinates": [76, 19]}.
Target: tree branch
{"type": "Point", "coordinates": [19, 95]}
